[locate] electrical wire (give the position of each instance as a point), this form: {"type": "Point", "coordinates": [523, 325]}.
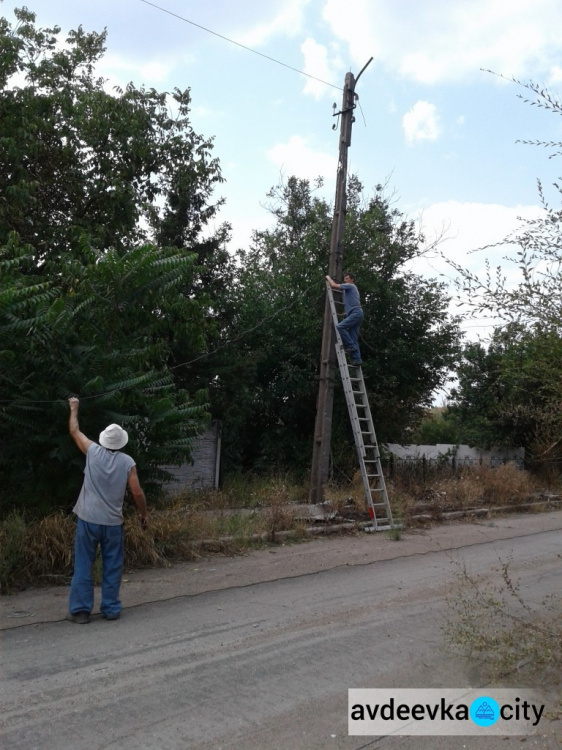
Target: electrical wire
{"type": "Point", "coordinates": [270, 317]}
{"type": "Point", "coordinates": [238, 44]}
{"type": "Point", "coordinates": [240, 336]}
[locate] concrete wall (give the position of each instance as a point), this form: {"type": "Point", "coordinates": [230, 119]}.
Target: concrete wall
{"type": "Point", "coordinates": [461, 453]}
{"type": "Point", "coordinates": [205, 470]}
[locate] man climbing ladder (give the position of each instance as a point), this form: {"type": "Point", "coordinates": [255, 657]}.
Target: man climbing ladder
{"type": "Point", "coordinates": [351, 323]}
{"type": "Point", "coordinates": [361, 422]}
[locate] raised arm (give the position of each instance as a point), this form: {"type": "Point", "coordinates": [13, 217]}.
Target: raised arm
{"type": "Point", "coordinates": [79, 438]}
{"type": "Point", "coordinates": [138, 496]}
{"type": "Point", "coordinates": [332, 283]}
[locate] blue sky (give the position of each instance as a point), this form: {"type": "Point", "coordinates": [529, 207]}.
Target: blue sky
{"type": "Point", "coordinates": [440, 132]}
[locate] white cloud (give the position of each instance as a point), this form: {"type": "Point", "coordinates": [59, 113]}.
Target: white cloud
{"type": "Point", "coordinates": [440, 40]}
{"type": "Point", "coordinates": [154, 71]}
{"type": "Point", "coordinates": [320, 63]}
{"type": "Point", "coordinates": [555, 74]}
{"type": "Point", "coordinates": [288, 21]}
{"type": "Point", "coordinates": [207, 113]}
{"type": "Point", "coordinates": [243, 229]}
{"type": "Point", "coordinates": [421, 123]}
{"type": "Point", "coordinates": [297, 158]}
{"type": "Point", "coordinates": [469, 232]}
{"type": "Point", "coordinates": [120, 70]}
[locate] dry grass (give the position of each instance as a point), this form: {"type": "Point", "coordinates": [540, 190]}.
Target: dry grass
{"type": "Point", "coordinates": [442, 491]}
{"type": "Point", "coordinates": [189, 525]}
{"type": "Point", "coordinates": [506, 633]}
{"type": "Point", "coordinates": [468, 488]}
{"type": "Point", "coordinates": [248, 511]}
{"type": "Point", "coordinates": [40, 551]}
{"type": "Point", "coordinates": [350, 496]}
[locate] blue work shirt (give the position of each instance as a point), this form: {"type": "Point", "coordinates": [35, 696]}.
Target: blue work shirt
{"type": "Point", "coordinates": [350, 297]}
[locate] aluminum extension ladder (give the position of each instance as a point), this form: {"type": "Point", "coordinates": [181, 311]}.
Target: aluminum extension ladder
{"type": "Point", "coordinates": [363, 430]}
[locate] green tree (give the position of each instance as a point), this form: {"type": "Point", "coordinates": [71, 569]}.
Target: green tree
{"type": "Point", "coordinates": [107, 284]}
{"type": "Point", "coordinates": [408, 340]}
{"type": "Point", "coordinates": [510, 392]}
{"type": "Point", "coordinates": [436, 427]}
{"type": "Point", "coordinates": [535, 248]}
{"type": "Point", "coordinates": [78, 160]}
{"type": "Point", "coordinates": [102, 331]}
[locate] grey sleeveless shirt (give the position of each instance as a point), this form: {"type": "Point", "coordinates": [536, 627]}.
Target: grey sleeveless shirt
{"type": "Point", "coordinates": [105, 481]}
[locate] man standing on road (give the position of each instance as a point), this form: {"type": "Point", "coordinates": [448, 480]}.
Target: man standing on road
{"type": "Point", "coordinates": [100, 518]}
{"type": "Point", "coordinates": [349, 326]}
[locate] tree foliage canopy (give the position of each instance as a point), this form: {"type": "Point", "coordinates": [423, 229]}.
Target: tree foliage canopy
{"type": "Point", "coordinates": [104, 199]}
{"type": "Point", "coordinates": [113, 287]}
{"type": "Point", "coordinates": [535, 248]}
{"type": "Point", "coordinates": [510, 391]}
{"type": "Point", "coordinates": [408, 340]}
{"type": "Point", "coordinates": [78, 159]}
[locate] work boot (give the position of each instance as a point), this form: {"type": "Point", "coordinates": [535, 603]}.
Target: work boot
{"type": "Point", "coordinates": [80, 618]}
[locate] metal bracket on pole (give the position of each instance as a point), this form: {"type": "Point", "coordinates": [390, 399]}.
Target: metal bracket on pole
{"type": "Point", "coordinates": [319, 470]}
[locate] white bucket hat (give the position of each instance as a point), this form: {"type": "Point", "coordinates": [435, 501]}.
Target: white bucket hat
{"type": "Point", "coordinates": [113, 437]}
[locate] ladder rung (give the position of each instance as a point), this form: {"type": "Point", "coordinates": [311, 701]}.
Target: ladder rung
{"type": "Point", "coordinates": [365, 439]}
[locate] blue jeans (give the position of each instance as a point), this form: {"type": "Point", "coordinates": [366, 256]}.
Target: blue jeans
{"type": "Point", "coordinates": [111, 541]}
{"type": "Point", "coordinates": [349, 332]}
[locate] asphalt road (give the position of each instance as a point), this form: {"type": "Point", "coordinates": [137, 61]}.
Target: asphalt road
{"type": "Point", "coordinates": [264, 659]}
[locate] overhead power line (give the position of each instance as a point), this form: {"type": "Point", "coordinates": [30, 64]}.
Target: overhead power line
{"type": "Point", "coordinates": [238, 44]}
{"type": "Point", "coordinates": [205, 355]}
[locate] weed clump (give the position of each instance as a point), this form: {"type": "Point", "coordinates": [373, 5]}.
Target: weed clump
{"type": "Point", "coordinates": [12, 550]}
{"type": "Point", "coordinates": [466, 488]}
{"type": "Point", "coordinates": [505, 631]}
{"type": "Point", "coordinates": [181, 529]}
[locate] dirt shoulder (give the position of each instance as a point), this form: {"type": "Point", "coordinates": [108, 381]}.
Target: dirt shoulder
{"type": "Point", "coordinates": [212, 573]}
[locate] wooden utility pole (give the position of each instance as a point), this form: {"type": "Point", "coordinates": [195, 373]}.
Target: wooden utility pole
{"type": "Point", "coordinates": [324, 405]}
